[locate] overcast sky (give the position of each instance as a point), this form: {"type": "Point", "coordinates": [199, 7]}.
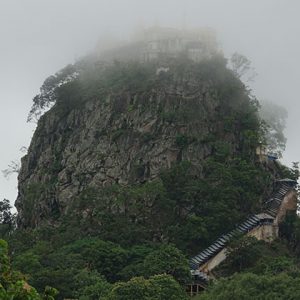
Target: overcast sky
{"type": "Point", "coordinates": [38, 37]}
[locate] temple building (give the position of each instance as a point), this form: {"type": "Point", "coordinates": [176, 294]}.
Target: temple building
{"type": "Point", "coordinates": [160, 42]}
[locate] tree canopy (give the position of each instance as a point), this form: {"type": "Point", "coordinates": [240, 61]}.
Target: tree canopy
{"type": "Point", "coordinates": [274, 117]}
{"type": "Point", "coordinates": [13, 284]}
{"type": "Point", "coordinates": [249, 286]}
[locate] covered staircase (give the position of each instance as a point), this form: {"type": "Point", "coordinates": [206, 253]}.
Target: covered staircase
{"type": "Point", "coordinates": [199, 263]}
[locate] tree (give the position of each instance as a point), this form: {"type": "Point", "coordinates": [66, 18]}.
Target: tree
{"type": "Point", "coordinates": [28, 263]}
{"type": "Point", "coordinates": [13, 284]}
{"type": "Point", "coordinates": [241, 66]}
{"type": "Point", "coordinates": [105, 257]}
{"type": "Point", "coordinates": [290, 230]}
{"type": "Point", "coordinates": [274, 117]}
{"type": "Point", "coordinates": [13, 167]}
{"type": "Point", "coordinates": [249, 286]}
{"type": "Point", "coordinates": [6, 215]}
{"type": "Point", "coordinates": [242, 253]}
{"type": "Point", "coordinates": [91, 285]}
{"type": "Point", "coordinates": [295, 170]}
{"type": "Point", "coordinates": [159, 287]}
{"type": "Point", "coordinates": [7, 218]}
{"type": "Point", "coordinates": [48, 92]}
{"type": "Point", "coordinates": [167, 260]}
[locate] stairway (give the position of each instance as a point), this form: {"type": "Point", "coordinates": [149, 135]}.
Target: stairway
{"type": "Point", "coordinates": [273, 204]}
{"type": "Point", "coordinates": [270, 211]}
{"type": "Point", "coordinates": [219, 244]}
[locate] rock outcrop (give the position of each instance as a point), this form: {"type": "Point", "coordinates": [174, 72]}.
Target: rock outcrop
{"type": "Point", "coordinates": [129, 135]}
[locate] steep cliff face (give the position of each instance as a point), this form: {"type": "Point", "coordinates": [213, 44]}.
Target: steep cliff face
{"type": "Point", "coordinates": [128, 134]}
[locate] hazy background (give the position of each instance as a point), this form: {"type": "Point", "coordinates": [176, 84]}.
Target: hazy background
{"type": "Point", "coordinates": [38, 37]}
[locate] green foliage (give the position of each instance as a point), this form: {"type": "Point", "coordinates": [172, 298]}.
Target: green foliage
{"type": "Point", "coordinates": [169, 116]}
{"type": "Point", "coordinates": [82, 268]}
{"type": "Point", "coordinates": [247, 254]}
{"type": "Point", "coordinates": [274, 117]}
{"type": "Point", "coordinates": [69, 96]}
{"type": "Point", "coordinates": [167, 260]}
{"type": "Point", "coordinates": [286, 172]}
{"type": "Point", "coordinates": [135, 264]}
{"type": "Point", "coordinates": [273, 265]}
{"type": "Point", "coordinates": [182, 141]}
{"type": "Point", "coordinates": [295, 171]}
{"type": "Point", "coordinates": [177, 202]}
{"type": "Point", "coordinates": [50, 293]}
{"type": "Point", "coordinates": [128, 233]}
{"type": "Point", "coordinates": [159, 287]}
{"type": "Point", "coordinates": [7, 218]}
{"type": "Point", "coordinates": [136, 288]}
{"type": "Point", "coordinates": [74, 85]}
{"type": "Point", "coordinates": [250, 286]}
{"type": "Point", "coordinates": [4, 260]}
{"type": "Point", "coordinates": [242, 253]}
{"type": "Point", "coordinates": [48, 96]}
{"type": "Point", "coordinates": [32, 194]}
{"type": "Point", "coordinates": [91, 285]}
{"type": "Point", "coordinates": [229, 191]}
{"type": "Point", "coordinates": [13, 284]}
{"type": "Point", "coordinates": [222, 150]}
{"type": "Point", "coordinates": [105, 257]}
{"type": "Point", "coordinates": [290, 230]}
{"type": "Point", "coordinates": [27, 263]}
{"type": "Point", "coordinates": [76, 268]}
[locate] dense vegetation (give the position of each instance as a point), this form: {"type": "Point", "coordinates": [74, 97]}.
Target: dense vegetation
{"type": "Point", "coordinates": [13, 284]}
{"type": "Point", "coordinates": [259, 270]}
{"type": "Point", "coordinates": [250, 286]}
{"type": "Point", "coordinates": [274, 117]}
{"type": "Point", "coordinates": [134, 241]}
{"type": "Point", "coordinates": [122, 248]}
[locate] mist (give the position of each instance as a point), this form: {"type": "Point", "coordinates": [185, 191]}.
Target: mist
{"type": "Point", "coordinates": [40, 37]}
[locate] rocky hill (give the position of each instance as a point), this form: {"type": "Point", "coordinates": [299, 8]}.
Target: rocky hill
{"type": "Point", "coordinates": [135, 167]}
{"type": "Point", "coordinates": [125, 123]}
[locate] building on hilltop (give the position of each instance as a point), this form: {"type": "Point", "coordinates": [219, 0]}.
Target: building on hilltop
{"type": "Point", "coordinates": [160, 43]}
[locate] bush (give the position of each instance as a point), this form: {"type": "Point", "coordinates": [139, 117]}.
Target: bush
{"type": "Point", "coordinates": [167, 260]}
{"type": "Point", "coordinates": [159, 287]}
{"type": "Point", "coordinates": [249, 286]}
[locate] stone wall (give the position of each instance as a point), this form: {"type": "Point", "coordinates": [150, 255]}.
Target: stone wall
{"type": "Point", "coordinates": [266, 232]}
{"type": "Point", "coordinates": [289, 203]}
